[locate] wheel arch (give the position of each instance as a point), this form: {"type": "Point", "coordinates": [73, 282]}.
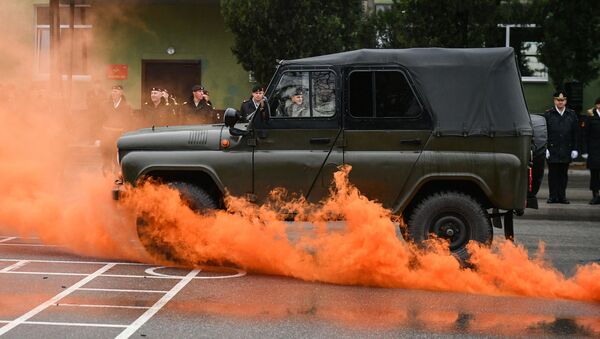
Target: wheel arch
{"type": "Point", "coordinates": [465, 184]}
{"type": "Point", "coordinates": [200, 176]}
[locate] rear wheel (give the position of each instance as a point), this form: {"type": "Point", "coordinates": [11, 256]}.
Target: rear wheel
{"type": "Point", "coordinates": [151, 231]}
{"type": "Point", "coordinates": [453, 216]}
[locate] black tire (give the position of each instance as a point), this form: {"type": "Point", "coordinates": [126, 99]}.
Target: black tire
{"type": "Point", "coordinates": [148, 227]}
{"type": "Point", "coordinates": [454, 216]}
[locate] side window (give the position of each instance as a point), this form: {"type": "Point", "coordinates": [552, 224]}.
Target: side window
{"type": "Point", "coordinates": [381, 94]}
{"type": "Point", "coordinates": [304, 94]}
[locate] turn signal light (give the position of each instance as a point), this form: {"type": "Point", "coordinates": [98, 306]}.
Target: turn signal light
{"type": "Point", "coordinates": [225, 143]}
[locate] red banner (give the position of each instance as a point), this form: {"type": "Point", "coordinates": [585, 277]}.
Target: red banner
{"type": "Point", "coordinates": [117, 72]}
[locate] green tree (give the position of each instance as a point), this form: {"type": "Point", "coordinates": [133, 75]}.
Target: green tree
{"type": "Point", "coordinates": [571, 40]}
{"type": "Point", "coordinates": [432, 23]}
{"type": "Point", "coordinates": [267, 30]}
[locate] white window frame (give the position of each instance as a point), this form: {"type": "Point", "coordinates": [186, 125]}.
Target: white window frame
{"type": "Point", "coordinates": [507, 27]}
{"type": "Point", "coordinates": [37, 50]}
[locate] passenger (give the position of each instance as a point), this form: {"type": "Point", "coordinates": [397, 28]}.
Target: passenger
{"type": "Point", "coordinates": [198, 109]}
{"type": "Point", "coordinates": [249, 106]}
{"type": "Point", "coordinates": [296, 106]}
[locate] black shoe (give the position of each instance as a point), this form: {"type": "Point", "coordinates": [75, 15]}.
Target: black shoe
{"type": "Point", "coordinates": [564, 201]}
{"type": "Point", "coordinates": [552, 201]}
{"type": "Point", "coordinates": [595, 201]}
{"type": "Point", "coordinates": [532, 203]}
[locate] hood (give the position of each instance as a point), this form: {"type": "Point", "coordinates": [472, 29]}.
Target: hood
{"type": "Point", "coordinates": [172, 138]}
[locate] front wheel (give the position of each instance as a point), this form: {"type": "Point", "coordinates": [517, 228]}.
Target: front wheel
{"type": "Point", "coordinates": [453, 216]}
{"type": "Point", "coordinates": [151, 232]}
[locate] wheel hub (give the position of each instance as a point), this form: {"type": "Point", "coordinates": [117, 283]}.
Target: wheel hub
{"type": "Point", "coordinates": [452, 228]}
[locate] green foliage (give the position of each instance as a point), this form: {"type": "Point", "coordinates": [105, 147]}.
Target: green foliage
{"type": "Point", "coordinates": [431, 23]}
{"type": "Point", "coordinates": [267, 30]}
{"type": "Point", "coordinates": [571, 41]}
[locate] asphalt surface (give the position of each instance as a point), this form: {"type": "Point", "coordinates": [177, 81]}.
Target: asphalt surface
{"type": "Point", "coordinates": [578, 193]}
{"type": "Point", "coordinates": [47, 292]}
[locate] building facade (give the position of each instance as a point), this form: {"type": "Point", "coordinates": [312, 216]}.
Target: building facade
{"type": "Point", "coordinates": [170, 44]}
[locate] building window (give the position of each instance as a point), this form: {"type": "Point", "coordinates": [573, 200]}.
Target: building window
{"type": "Point", "coordinates": [524, 38]}
{"type": "Point", "coordinates": [81, 39]}
{"type": "Point", "coordinates": [532, 69]}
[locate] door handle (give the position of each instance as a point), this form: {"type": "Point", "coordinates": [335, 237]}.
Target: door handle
{"type": "Point", "coordinates": [413, 142]}
{"type": "Point", "coordinates": [320, 141]}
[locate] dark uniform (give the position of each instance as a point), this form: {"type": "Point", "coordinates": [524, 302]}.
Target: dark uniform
{"type": "Point", "coordinates": [115, 121]}
{"type": "Point", "coordinates": [160, 114]}
{"type": "Point", "coordinates": [540, 137]}
{"type": "Point", "coordinates": [591, 147]}
{"type": "Point", "coordinates": [562, 140]}
{"type": "Point", "coordinates": [201, 113]}
{"type": "Point", "coordinates": [249, 106]}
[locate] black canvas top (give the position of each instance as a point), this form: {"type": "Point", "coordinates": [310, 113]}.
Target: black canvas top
{"type": "Point", "coordinates": [471, 91]}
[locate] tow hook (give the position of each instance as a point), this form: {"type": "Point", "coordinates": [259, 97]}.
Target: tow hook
{"type": "Point", "coordinates": [117, 191]}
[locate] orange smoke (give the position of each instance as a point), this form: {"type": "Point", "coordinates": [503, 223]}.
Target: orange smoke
{"type": "Point", "coordinates": [47, 193]}
{"type": "Point", "coordinates": [366, 251]}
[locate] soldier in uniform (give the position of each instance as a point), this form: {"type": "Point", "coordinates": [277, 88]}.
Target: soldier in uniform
{"type": "Point", "coordinates": [198, 109]}
{"type": "Point", "coordinates": [156, 112]}
{"type": "Point", "coordinates": [249, 106]}
{"type": "Point", "coordinates": [562, 125]}
{"type": "Point", "coordinates": [591, 149]}
{"type": "Point", "coordinates": [117, 119]}
{"type": "Point", "coordinates": [296, 107]}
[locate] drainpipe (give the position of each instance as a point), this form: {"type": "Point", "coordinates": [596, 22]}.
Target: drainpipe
{"type": "Point", "coordinates": [55, 78]}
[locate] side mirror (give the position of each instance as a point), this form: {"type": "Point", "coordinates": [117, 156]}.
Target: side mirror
{"type": "Point", "coordinates": [231, 117]}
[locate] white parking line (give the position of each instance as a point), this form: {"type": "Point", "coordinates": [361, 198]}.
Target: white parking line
{"type": "Point", "coordinates": [72, 324]}
{"type": "Point", "coordinates": [120, 290]}
{"type": "Point", "coordinates": [54, 299]}
{"type": "Point", "coordinates": [7, 239]}
{"type": "Point", "coordinates": [29, 245]}
{"type": "Point", "coordinates": [50, 323]}
{"type": "Point", "coordinates": [14, 266]}
{"type": "Point", "coordinates": [157, 306]}
{"type": "Point", "coordinates": [105, 306]}
{"type": "Point", "coordinates": [79, 262]}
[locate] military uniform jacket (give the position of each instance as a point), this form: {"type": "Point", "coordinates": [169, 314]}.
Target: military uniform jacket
{"type": "Point", "coordinates": [203, 113]}
{"type": "Point", "coordinates": [562, 134]}
{"type": "Point", "coordinates": [157, 115]}
{"type": "Point", "coordinates": [247, 109]}
{"type": "Point", "coordinates": [591, 142]}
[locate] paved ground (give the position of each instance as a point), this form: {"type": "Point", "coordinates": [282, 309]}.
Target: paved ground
{"type": "Point", "coordinates": [578, 193]}
{"type": "Point", "coordinates": [44, 291]}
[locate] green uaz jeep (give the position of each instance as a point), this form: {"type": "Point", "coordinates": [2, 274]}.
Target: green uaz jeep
{"type": "Point", "coordinates": [441, 136]}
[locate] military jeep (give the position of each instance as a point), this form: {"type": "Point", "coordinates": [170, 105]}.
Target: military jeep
{"type": "Point", "coordinates": [440, 136]}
